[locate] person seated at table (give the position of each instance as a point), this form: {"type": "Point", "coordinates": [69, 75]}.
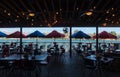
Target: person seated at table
{"type": "Point", "coordinates": [89, 46]}
{"type": "Point", "coordinates": [111, 48]}
{"type": "Point", "coordinates": [30, 47]}
{"type": "Point", "coordinates": [6, 51]}
{"type": "Point", "coordinates": [18, 49]}
{"type": "Point", "coordinates": [12, 45]}
{"type": "Point", "coordinates": [104, 46]}
{"type": "Point", "coordinates": [3, 46]}
{"type": "Point", "coordinates": [48, 50]}
{"type": "Point", "coordinates": [15, 44]}
{"type": "Point", "coordinates": [36, 49]}
{"type": "Point", "coordinates": [62, 50]}
{"type": "Point", "coordinates": [56, 48]}
{"type": "Point", "coordinates": [27, 49]}
{"type": "Point", "coordinates": [84, 47]}
{"type": "Point", "coordinates": [31, 44]}
{"type": "Point", "coordinates": [78, 49]}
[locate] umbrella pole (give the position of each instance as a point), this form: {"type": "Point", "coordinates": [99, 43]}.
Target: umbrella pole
{"type": "Point", "coordinates": [37, 40]}
{"type": "Point", "coordinates": [17, 40]}
{"type": "Point", "coordinates": [53, 40]}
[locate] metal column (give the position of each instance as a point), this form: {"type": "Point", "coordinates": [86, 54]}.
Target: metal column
{"type": "Point", "coordinates": [20, 39]}
{"type": "Point", "coordinates": [70, 42]}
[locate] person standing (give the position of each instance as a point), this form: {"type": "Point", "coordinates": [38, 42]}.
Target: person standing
{"type": "Point", "coordinates": [6, 51]}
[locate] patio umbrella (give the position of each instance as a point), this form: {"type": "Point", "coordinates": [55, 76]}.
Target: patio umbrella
{"type": "Point", "coordinates": [16, 35]}
{"type": "Point", "coordinates": [81, 35]}
{"type": "Point", "coordinates": [55, 34]}
{"type": "Point", "coordinates": [105, 35]}
{"type": "Point", "coordinates": [36, 34]}
{"type": "Point", "coordinates": [2, 34]}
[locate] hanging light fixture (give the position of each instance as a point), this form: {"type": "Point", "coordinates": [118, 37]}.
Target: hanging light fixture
{"type": "Point", "coordinates": [31, 14]}
{"type": "Point", "coordinates": [89, 12]}
{"type": "Point", "coordinates": [9, 14]}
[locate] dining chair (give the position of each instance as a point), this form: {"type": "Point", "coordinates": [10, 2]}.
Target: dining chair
{"type": "Point", "coordinates": [26, 67]}
{"type": "Point", "coordinates": [5, 67]}
{"type": "Point", "coordinates": [90, 67]}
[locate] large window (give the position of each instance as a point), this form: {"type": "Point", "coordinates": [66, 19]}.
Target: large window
{"type": "Point", "coordinates": [46, 42]}
{"type": "Point", "coordinates": [82, 39]}
{"type": "Point", "coordinates": [11, 36]}
{"type": "Point", "coordinates": [109, 39]}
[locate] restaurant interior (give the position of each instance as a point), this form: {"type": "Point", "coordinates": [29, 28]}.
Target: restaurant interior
{"type": "Point", "coordinates": [70, 52]}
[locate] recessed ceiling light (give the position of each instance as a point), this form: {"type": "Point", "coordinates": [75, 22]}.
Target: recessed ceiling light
{"type": "Point", "coordinates": [106, 19]}
{"type": "Point", "coordinates": [16, 20]}
{"type": "Point", "coordinates": [94, 7]}
{"type": "Point", "coordinates": [77, 8]}
{"type": "Point", "coordinates": [32, 24]}
{"type": "Point", "coordinates": [104, 24]}
{"type": "Point", "coordinates": [27, 18]}
{"type": "Point", "coordinates": [5, 11]}
{"type": "Point", "coordinates": [17, 16]}
{"type": "Point", "coordinates": [60, 9]}
{"type": "Point", "coordinates": [112, 8]}
{"type": "Point", "coordinates": [117, 22]}
{"type": "Point", "coordinates": [113, 15]}
{"type": "Point", "coordinates": [57, 12]}
{"type": "Point", "coordinates": [49, 25]}
{"type": "Point", "coordinates": [112, 22]}
{"type": "Point", "coordinates": [9, 14]}
{"type": "Point", "coordinates": [23, 13]}
{"type": "Point", "coordinates": [32, 19]}
{"type": "Point", "coordinates": [107, 12]}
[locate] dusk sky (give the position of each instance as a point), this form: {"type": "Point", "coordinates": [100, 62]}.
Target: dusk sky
{"type": "Point", "coordinates": [89, 30]}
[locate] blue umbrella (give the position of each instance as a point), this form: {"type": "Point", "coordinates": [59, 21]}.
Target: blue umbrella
{"type": "Point", "coordinates": [2, 34]}
{"type": "Point", "coordinates": [81, 35]}
{"type": "Point", "coordinates": [36, 34]}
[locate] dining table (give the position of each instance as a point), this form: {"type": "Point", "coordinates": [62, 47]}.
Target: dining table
{"type": "Point", "coordinates": [14, 57]}
{"type": "Point", "coordinates": [34, 59]}
{"type": "Point", "coordinates": [102, 58]}
{"type": "Point", "coordinates": [99, 61]}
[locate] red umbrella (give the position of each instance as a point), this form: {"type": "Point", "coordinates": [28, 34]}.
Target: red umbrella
{"type": "Point", "coordinates": [16, 35]}
{"type": "Point", "coordinates": [55, 34]}
{"type": "Point", "coordinates": [105, 35]}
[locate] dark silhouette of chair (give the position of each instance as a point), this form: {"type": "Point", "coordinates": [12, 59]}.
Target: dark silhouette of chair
{"type": "Point", "coordinates": [90, 66]}
{"type": "Point", "coordinates": [27, 67]}
{"type": "Point", "coordinates": [5, 67]}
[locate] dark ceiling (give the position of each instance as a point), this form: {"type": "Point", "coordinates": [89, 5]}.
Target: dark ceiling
{"type": "Point", "coordinates": [15, 13]}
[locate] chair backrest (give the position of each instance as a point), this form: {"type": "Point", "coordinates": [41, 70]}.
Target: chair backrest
{"type": "Point", "coordinates": [25, 64]}
{"type": "Point", "coordinates": [89, 63]}
{"type": "Point", "coordinates": [4, 63]}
